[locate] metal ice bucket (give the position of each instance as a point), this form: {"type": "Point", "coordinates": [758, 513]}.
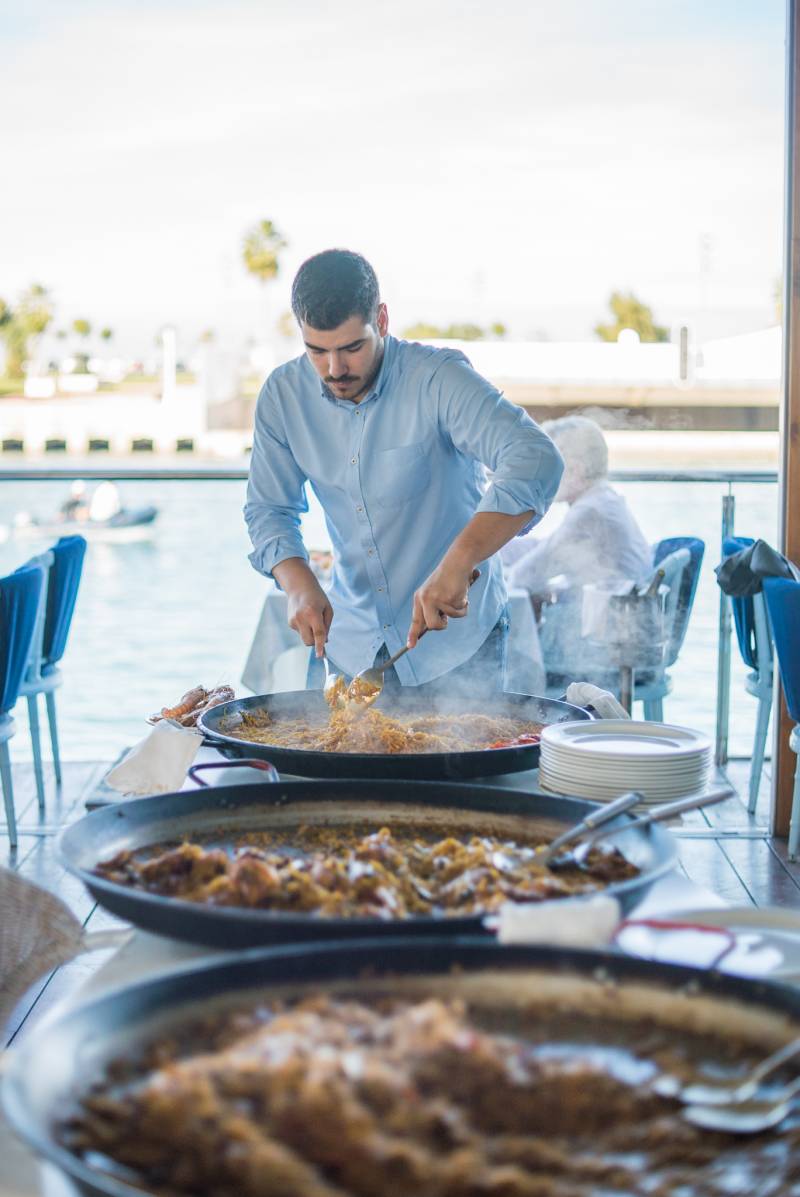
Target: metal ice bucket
{"type": "Point", "coordinates": [629, 627]}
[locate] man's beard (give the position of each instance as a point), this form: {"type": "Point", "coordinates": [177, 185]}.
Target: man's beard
{"type": "Point", "coordinates": [349, 379]}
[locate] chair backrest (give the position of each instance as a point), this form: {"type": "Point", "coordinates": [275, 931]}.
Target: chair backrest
{"type": "Point", "coordinates": [750, 617]}
{"type": "Point", "coordinates": [686, 589]}
{"type": "Point", "coordinates": [20, 593]}
{"type": "Point", "coordinates": [33, 670]}
{"type": "Point", "coordinates": [62, 591]}
{"type": "Point", "coordinates": [783, 603]}
{"type": "Point", "coordinates": [674, 565]}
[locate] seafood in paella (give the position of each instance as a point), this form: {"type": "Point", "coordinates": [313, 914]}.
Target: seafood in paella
{"type": "Point", "coordinates": [337, 873]}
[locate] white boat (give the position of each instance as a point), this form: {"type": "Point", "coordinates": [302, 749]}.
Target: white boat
{"type": "Point", "coordinates": [127, 526]}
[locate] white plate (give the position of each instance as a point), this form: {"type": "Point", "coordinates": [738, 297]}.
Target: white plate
{"type": "Point", "coordinates": [767, 941]}
{"type": "Point", "coordinates": [656, 776]}
{"type": "Point", "coordinates": [651, 760]}
{"type": "Point", "coordinates": [566, 790]}
{"type": "Point", "coordinates": [624, 773]}
{"type": "Point", "coordinates": [626, 738]}
{"type": "Point", "coordinates": [569, 783]}
{"type": "Point", "coordinates": [625, 782]}
{"type": "Point", "coordinates": [618, 768]}
{"type": "Point", "coordinates": [624, 777]}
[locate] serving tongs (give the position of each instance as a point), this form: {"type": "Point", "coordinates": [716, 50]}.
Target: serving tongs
{"type": "Point", "coordinates": [596, 824]}
{"type": "Point", "coordinates": [367, 685]}
{"type": "Point", "coordinates": [549, 852]}
{"type": "Point", "coordinates": [739, 1105]}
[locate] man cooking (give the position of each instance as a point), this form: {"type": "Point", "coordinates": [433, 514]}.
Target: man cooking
{"type": "Point", "coordinates": [393, 438]}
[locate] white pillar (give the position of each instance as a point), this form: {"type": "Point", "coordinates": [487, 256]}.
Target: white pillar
{"type": "Point", "coordinates": [169, 365]}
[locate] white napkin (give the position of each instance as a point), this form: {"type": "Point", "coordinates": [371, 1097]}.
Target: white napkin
{"type": "Point", "coordinates": [584, 694]}
{"type": "Point", "coordinates": [563, 922]}
{"type": "Point", "coordinates": [158, 763]}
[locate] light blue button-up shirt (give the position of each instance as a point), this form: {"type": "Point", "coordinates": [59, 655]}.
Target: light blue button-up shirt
{"type": "Point", "coordinates": [398, 476]}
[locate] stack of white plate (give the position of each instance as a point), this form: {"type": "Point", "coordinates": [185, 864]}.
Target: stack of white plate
{"type": "Point", "coordinates": [603, 759]}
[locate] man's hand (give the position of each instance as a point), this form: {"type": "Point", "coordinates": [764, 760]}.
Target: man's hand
{"type": "Point", "coordinates": [310, 613]}
{"type": "Point", "coordinates": [441, 597]}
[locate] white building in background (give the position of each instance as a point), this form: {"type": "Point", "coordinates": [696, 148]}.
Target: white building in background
{"type": "Point", "coordinates": [627, 379]}
{"type": "Point", "coordinates": [120, 420]}
{"type": "Point", "coordinates": [751, 357]}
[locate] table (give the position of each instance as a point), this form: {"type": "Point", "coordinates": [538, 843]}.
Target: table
{"type": "Point", "coordinates": [278, 659]}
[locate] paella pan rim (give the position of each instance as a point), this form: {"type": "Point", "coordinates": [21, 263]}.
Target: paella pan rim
{"type": "Point", "coordinates": [222, 977]}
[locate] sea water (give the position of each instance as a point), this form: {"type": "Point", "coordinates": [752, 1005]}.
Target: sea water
{"type": "Point", "coordinates": [155, 617]}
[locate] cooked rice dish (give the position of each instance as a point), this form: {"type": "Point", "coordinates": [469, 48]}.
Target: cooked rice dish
{"type": "Point", "coordinates": [356, 729]}
{"type": "Point", "coordinates": [336, 873]}
{"type": "Point", "coordinates": [336, 1097]}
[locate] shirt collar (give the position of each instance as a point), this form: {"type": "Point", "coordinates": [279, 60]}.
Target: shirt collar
{"type": "Point", "coordinates": [389, 350]}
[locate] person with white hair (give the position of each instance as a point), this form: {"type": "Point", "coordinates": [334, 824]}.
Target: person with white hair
{"type": "Point", "coordinates": [105, 503]}
{"type": "Point", "coordinates": [598, 539]}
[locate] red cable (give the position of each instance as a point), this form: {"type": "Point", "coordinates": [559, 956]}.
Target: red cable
{"type": "Point", "coordinates": [676, 925]}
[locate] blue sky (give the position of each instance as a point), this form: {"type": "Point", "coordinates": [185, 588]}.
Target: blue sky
{"type": "Point", "coordinates": [511, 161]}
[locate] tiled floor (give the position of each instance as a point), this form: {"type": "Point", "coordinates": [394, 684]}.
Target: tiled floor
{"type": "Point", "coordinates": [726, 850]}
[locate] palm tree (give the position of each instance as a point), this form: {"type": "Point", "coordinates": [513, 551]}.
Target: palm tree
{"type": "Point", "coordinates": [21, 326]}
{"type": "Point", "coordinates": [260, 250]}
{"type": "Point", "coordinates": [84, 329]}
{"type": "Point", "coordinates": [630, 312]}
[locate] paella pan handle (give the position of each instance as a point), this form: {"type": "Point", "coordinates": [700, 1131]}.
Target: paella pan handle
{"type": "Point", "coordinates": [589, 709]}
{"type": "Point", "coordinates": [247, 762]}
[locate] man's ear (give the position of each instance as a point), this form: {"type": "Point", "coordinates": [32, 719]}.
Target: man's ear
{"type": "Point", "coordinates": [382, 321]}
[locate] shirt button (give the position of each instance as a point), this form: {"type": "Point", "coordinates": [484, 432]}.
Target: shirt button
{"type": "Point", "coordinates": [380, 590]}
{"type": "Point", "coordinates": [352, 461]}
{"type": "Point", "coordinates": [386, 626]}
{"type": "Point", "coordinates": [370, 552]}
{"type": "Point", "coordinates": [359, 508]}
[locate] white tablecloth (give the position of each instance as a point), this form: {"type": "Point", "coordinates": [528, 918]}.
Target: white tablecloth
{"type": "Point", "coordinates": [278, 659]}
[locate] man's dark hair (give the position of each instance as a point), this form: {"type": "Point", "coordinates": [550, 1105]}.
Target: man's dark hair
{"type": "Point", "coordinates": [333, 286]}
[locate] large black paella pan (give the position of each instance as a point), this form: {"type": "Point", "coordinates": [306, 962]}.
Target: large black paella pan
{"type": "Point", "coordinates": [219, 722]}
{"type": "Point", "coordinates": [567, 1110]}
{"type": "Point", "coordinates": [223, 817]}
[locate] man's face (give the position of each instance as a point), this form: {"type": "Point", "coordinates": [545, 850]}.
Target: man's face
{"type": "Point", "coordinates": [347, 358]}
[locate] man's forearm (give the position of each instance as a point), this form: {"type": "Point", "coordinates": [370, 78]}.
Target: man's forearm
{"type": "Point", "coordinates": [294, 574]}
{"type": "Point", "coordinates": [485, 533]}
{"type": "Point", "coordinates": [444, 594]}
{"type": "Point", "coordinates": [308, 611]}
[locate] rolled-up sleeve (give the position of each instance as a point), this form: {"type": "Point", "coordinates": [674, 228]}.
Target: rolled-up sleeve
{"type": "Point", "coordinates": [276, 495]}
{"type": "Point", "coordinates": [525, 465]}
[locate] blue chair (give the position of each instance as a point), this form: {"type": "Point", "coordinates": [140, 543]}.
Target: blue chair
{"type": "Point", "coordinates": [44, 562]}
{"type": "Point", "coordinates": [757, 651]}
{"type": "Point", "coordinates": [783, 604]}
{"type": "Point", "coordinates": [655, 685]}
{"type": "Point", "coordinates": [55, 617]}
{"type": "Point", "coordinates": [20, 595]}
